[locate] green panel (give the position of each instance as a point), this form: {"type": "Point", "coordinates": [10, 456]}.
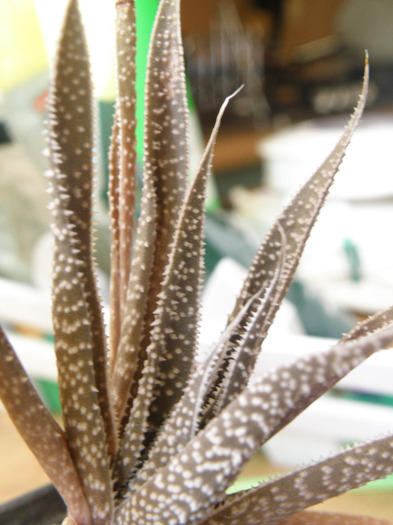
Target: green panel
{"type": "Point", "coordinates": [49, 392]}
{"type": "Point", "coordinates": [146, 10]}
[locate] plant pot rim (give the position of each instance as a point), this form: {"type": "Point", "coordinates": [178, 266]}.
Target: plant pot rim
{"type": "Point", "coordinates": [42, 506]}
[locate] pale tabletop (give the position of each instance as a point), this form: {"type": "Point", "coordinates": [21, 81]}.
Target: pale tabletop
{"type": "Point", "coordinates": [20, 473]}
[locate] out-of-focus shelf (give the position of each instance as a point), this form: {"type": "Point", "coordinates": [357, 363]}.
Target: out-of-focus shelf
{"type": "Point", "coordinates": [236, 148]}
{"type": "Point", "coordinates": [20, 471]}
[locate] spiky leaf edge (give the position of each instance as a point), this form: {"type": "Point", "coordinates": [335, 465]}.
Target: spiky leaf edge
{"type": "Point", "coordinates": [189, 487]}
{"type": "Point", "coordinates": [39, 430]}
{"type": "Point", "coordinates": [279, 498]}
{"type": "Point", "coordinates": [175, 330]}
{"type": "Point", "coordinates": [166, 171]}
{"type": "Point", "coordinates": [80, 342]}
{"type": "Point", "coordinates": [122, 180]}
{"type": "Point", "coordinates": [294, 224]}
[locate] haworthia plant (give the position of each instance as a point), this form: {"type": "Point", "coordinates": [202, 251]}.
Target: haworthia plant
{"type": "Point", "coordinates": [151, 434]}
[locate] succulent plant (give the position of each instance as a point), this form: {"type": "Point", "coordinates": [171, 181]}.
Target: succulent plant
{"type": "Point", "coordinates": [153, 433]}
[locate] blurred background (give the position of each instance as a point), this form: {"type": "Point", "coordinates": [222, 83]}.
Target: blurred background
{"type": "Point", "coordinates": [301, 64]}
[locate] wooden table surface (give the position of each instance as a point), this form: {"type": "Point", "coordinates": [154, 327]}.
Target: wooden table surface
{"type": "Point", "coordinates": [20, 473]}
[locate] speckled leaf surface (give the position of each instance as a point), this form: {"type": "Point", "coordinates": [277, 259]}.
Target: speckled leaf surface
{"type": "Point", "coordinates": [184, 421]}
{"type": "Point", "coordinates": [244, 336]}
{"type": "Point", "coordinates": [77, 320]}
{"type": "Point", "coordinates": [166, 171]}
{"type": "Point", "coordinates": [184, 427]}
{"type": "Point", "coordinates": [273, 268]}
{"type": "Point", "coordinates": [115, 302]}
{"type": "Point", "coordinates": [178, 310]}
{"type": "Point", "coordinates": [174, 339]}
{"type": "Point", "coordinates": [39, 430]}
{"type": "Point", "coordinates": [370, 325]}
{"type": "Point", "coordinates": [297, 220]}
{"type": "Point", "coordinates": [195, 480]}
{"type": "Point", "coordinates": [123, 167]}
{"type": "Point", "coordinates": [272, 501]}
